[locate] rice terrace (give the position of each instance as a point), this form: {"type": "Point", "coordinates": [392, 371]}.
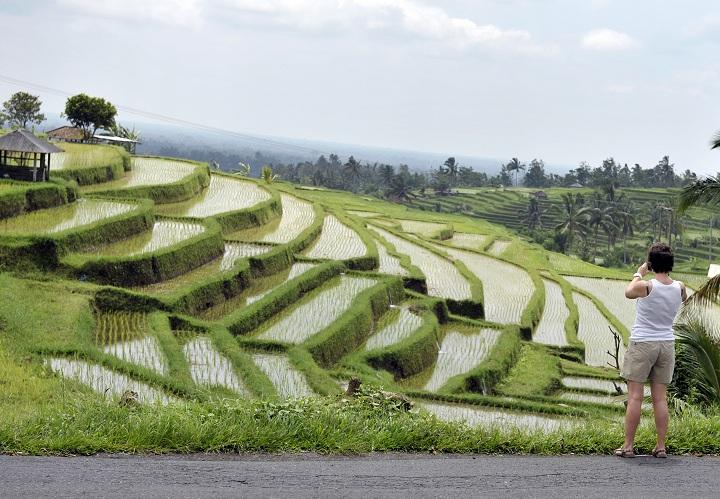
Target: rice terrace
{"type": "Point", "coordinates": [151, 304]}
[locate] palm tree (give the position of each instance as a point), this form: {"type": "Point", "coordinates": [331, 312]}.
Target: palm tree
{"type": "Point", "coordinates": [451, 169]}
{"type": "Point", "coordinates": [599, 218]}
{"type": "Point", "coordinates": [400, 188]}
{"type": "Point", "coordinates": [535, 212]}
{"type": "Point", "coordinates": [627, 227]}
{"type": "Point", "coordinates": [352, 169]}
{"type": "Point", "coordinates": [573, 222]}
{"type": "Point", "coordinates": [704, 192]}
{"type": "Point", "coordinates": [515, 166]}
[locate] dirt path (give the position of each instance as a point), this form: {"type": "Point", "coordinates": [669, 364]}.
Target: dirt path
{"type": "Point", "coordinates": [381, 475]}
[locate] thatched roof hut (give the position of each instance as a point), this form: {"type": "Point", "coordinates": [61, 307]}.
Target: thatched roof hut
{"type": "Point", "coordinates": [23, 156]}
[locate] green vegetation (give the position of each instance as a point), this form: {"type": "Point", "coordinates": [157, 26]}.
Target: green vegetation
{"type": "Point", "coordinates": [238, 309]}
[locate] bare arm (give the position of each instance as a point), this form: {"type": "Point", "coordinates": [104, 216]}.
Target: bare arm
{"type": "Point", "coordinates": [638, 288]}
{"type": "Point", "coordinates": [683, 291]}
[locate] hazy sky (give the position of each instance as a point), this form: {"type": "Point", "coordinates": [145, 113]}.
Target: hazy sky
{"type": "Point", "coordinates": [563, 80]}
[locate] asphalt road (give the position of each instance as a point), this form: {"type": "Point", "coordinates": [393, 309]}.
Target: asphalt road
{"type": "Point", "coordinates": [376, 475]}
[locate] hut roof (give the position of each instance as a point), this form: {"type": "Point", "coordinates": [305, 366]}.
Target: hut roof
{"type": "Point", "coordinates": [24, 141]}
{"type": "Point", "coordinates": [66, 133]}
{"type": "Point", "coordinates": [113, 138]}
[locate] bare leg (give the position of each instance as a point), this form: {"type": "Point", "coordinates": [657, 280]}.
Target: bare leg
{"type": "Point", "coordinates": [632, 414]}
{"type": "Point", "coordinates": [660, 408]}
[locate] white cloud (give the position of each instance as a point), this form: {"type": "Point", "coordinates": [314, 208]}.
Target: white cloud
{"type": "Point", "coordinates": [405, 17]}
{"type": "Point", "coordinates": [176, 12]}
{"type": "Point", "coordinates": [608, 40]}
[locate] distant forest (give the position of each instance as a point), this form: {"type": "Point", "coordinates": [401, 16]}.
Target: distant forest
{"type": "Point", "coordinates": [399, 182]}
{"type": "Point", "coordinates": [388, 181]}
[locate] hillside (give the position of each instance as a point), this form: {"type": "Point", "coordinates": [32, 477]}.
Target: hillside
{"type": "Point", "coordinates": [190, 287]}
{"type": "Point", "coordinates": [509, 207]}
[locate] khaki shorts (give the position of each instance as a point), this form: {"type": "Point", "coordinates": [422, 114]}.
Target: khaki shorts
{"type": "Point", "coordinates": [653, 360]}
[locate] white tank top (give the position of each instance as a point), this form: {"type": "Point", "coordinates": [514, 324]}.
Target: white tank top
{"type": "Point", "coordinates": [656, 312]}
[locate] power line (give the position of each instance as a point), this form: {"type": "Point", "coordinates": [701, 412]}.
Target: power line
{"type": "Point", "coordinates": [161, 117]}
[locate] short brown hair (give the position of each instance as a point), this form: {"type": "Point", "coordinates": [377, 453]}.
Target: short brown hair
{"type": "Point", "coordinates": [660, 258]}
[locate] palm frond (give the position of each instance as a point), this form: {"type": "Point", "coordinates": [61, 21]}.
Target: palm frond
{"type": "Point", "coordinates": [708, 294]}
{"type": "Point", "coordinates": [704, 191]}
{"type": "Point", "coordinates": [705, 354]}
{"type": "Point", "coordinates": [715, 141]}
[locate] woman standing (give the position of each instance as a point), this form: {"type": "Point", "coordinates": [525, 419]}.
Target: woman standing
{"type": "Point", "coordinates": [651, 353]}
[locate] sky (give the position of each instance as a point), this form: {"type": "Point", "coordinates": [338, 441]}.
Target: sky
{"type": "Point", "coordinates": [562, 80]}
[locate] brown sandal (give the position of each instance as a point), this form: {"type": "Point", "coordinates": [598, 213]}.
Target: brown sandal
{"type": "Point", "coordinates": [626, 453]}
{"type": "Point", "coordinates": [659, 453]}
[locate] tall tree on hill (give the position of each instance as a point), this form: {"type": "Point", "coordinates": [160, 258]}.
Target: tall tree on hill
{"type": "Point", "coordinates": [535, 212]}
{"type": "Point", "coordinates": [352, 169]}
{"type": "Point", "coordinates": [515, 166]}
{"type": "Point", "coordinates": [597, 218]}
{"type": "Point", "coordinates": [572, 219]}
{"type": "Point", "coordinates": [626, 223]}
{"type": "Point", "coordinates": [20, 109]}
{"type": "Point", "coordinates": [535, 176]}
{"type": "Point", "coordinates": [90, 113]}
{"type": "Point", "coordinates": [450, 168]}
{"type": "Point", "coordinates": [387, 172]}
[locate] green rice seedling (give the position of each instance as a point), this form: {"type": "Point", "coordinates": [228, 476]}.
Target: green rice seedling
{"type": "Point", "coordinates": [507, 288]}
{"type": "Point", "coordinates": [288, 381]}
{"type": "Point", "coordinates": [224, 194]}
{"type": "Point", "coordinates": [497, 248]}
{"type": "Point", "coordinates": [363, 214]}
{"type": "Point", "coordinates": [551, 329]}
{"type": "Point", "coordinates": [389, 264]}
{"type": "Point", "coordinates": [233, 252]}
{"type": "Point", "coordinates": [210, 368]}
{"type": "Point", "coordinates": [460, 353]}
{"type": "Point", "coordinates": [297, 215]}
{"type": "Point", "coordinates": [400, 324]}
{"type": "Point", "coordinates": [106, 382]}
{"type": "Point", "coordinates": [597, 384]}
{"type": "Point", "coordinates": [77, 156]}
{"type": "Point", "coordinates": [336, 242]}
{"type": "Point", "coordinates": [254, 294]}
{"type": "Point", "coordinates": [53, 220]}
{"type": "Point", "coordinates": [468, 241]}
{"type": "Point", "coordinates": [589, 397]}
{"type": "Point", "coordinates": [257, 289]}
{"type": "Point", "coordinates": [611, 292]}
{"type": "Point", "coordinates": [594, 332]}
{"type": "Point", "coordinates": [317, 311]}
{"type": "Point", "coordinates": [443, 278]}
{"type": "Point", "coordinates": [165, 233]}
{"type": "Point", "coordinates": [425, 229]}
{"type": "Point", "coordinates": [473, 416]}
{"type": "Point", "coordinates": [126, 335]}
{"type": "Point", "coordinates": [148, 171]}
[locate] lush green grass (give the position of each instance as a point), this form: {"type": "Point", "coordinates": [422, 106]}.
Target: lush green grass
{"type": "Point", "coordinates": [83, 425]}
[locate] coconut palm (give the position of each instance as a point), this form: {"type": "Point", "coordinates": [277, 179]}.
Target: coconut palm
{"type": "Point", "coordinates": [598, 218]}
{"type": "Point", "coordinates": [626, 219]}
{"type": "Point", "coordinates": [704, 192]}
{"type": "Point", "coordinates": [400, 189]}
{"type": "Point", "coordinates": [573, 221]}
{"type": "Point", "coordinates": [535, 212]}
{"type": "Point", "coordinates": [515, 166]}
{"type": "Point", "coordinates": [450, 168]}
